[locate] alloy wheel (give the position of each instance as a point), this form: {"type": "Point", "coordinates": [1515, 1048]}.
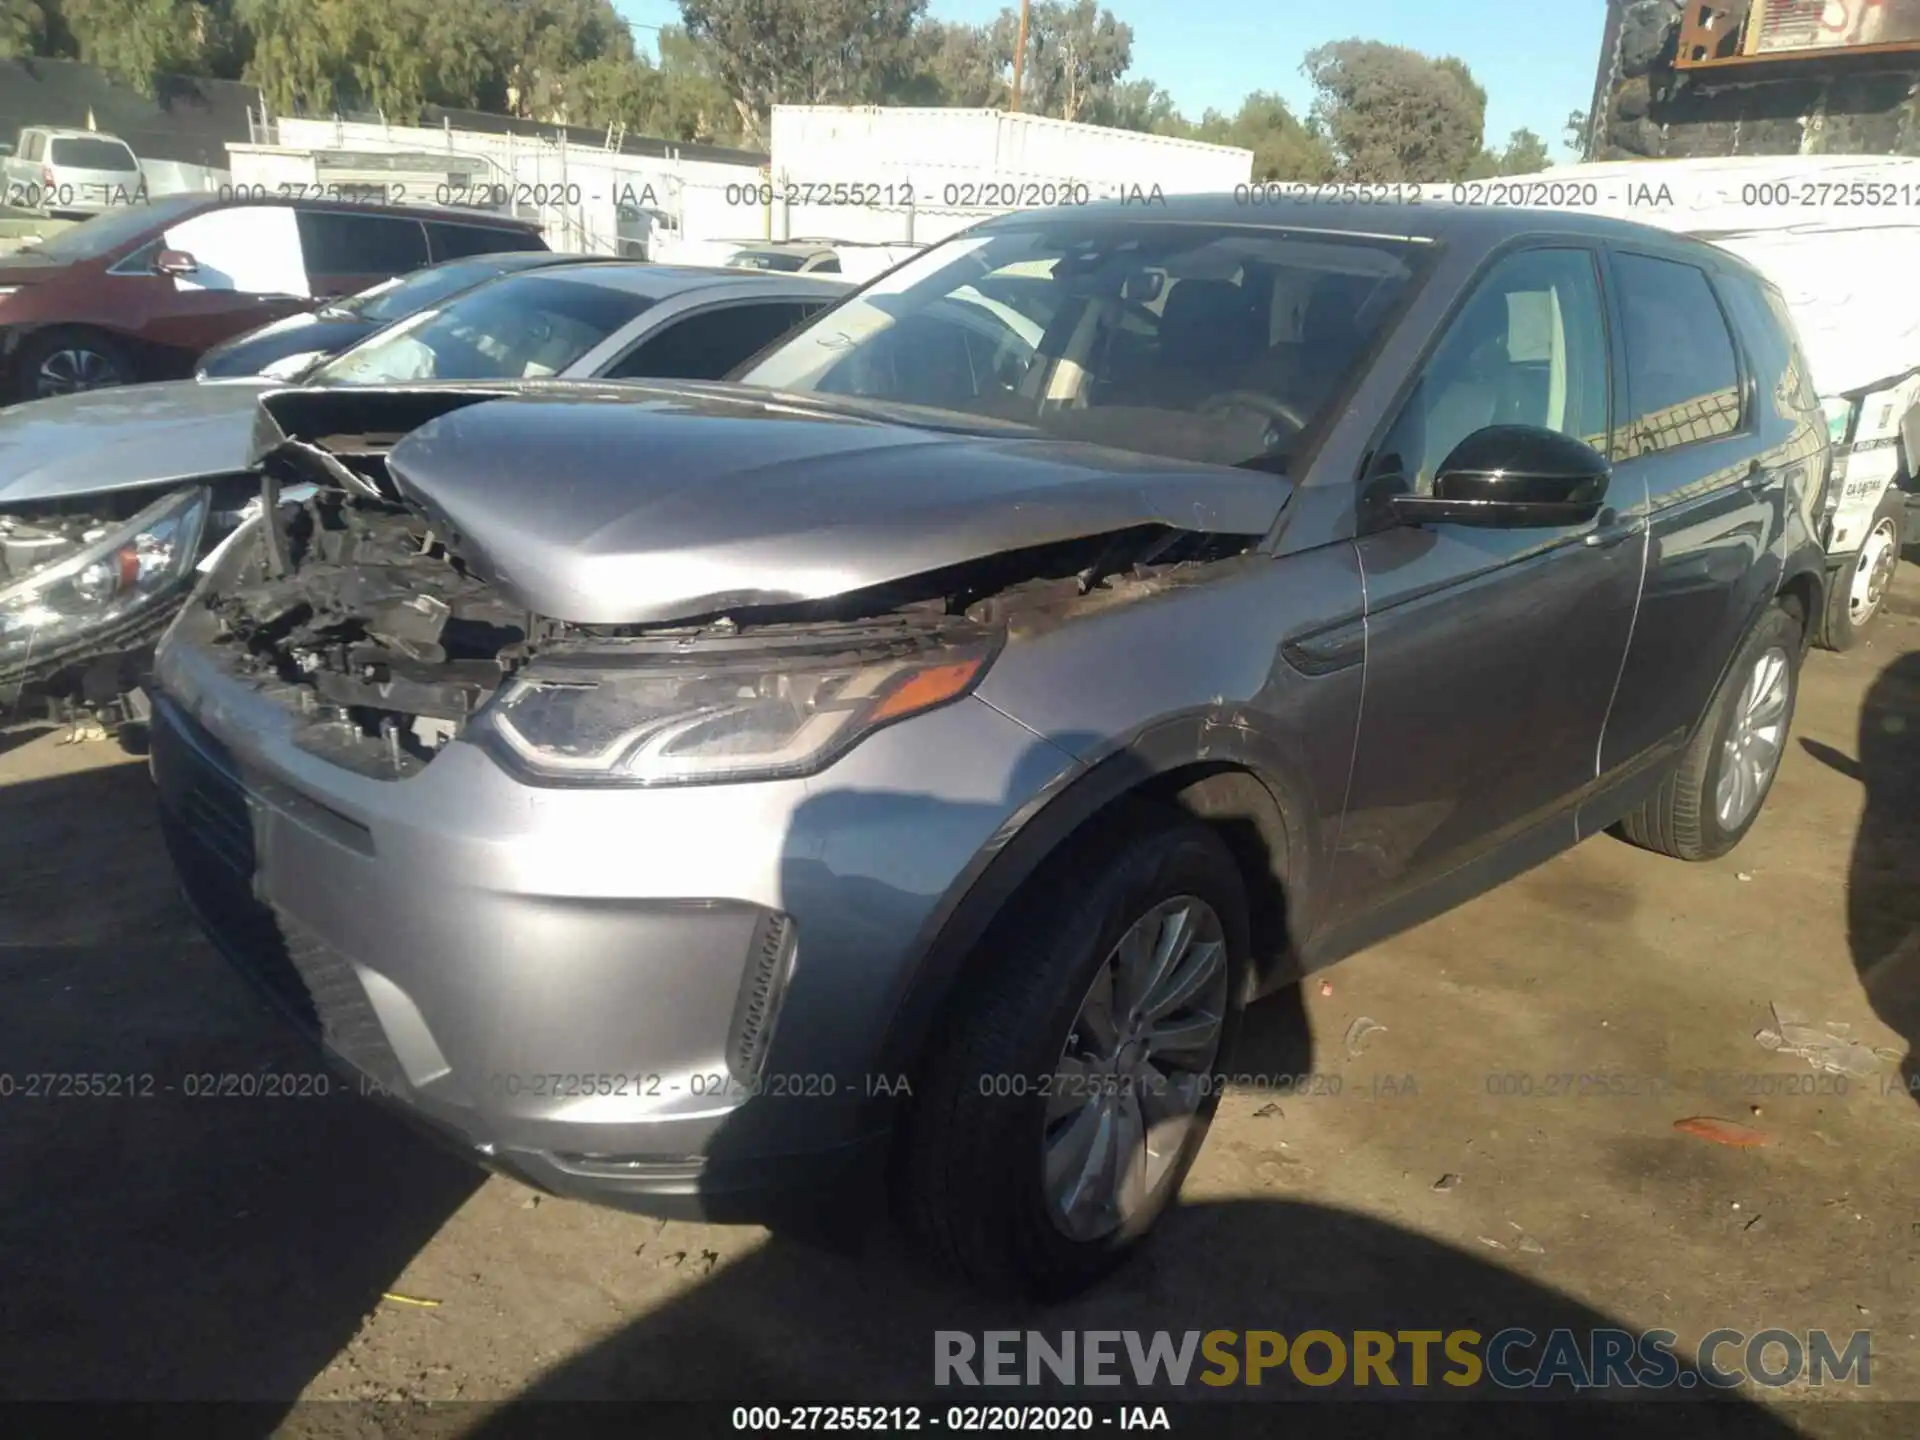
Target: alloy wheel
{"type": "Point", "coordinates": [1751, 751]}
{"type": "Point", "coordinates": [75, 368]}
{"type": "Point", "coordinates": [1133, 1076]}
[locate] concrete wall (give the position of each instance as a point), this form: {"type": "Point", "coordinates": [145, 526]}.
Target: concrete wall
{"type": "Point", "coordinates": [1836, 105]}
{"type": "Point", "coordinates": [188, 122]}
{"type": "Point", "coordinates": [169, 177]}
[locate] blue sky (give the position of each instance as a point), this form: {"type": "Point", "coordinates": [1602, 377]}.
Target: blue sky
{"type": "Point", "coordinates": [1535, 61]}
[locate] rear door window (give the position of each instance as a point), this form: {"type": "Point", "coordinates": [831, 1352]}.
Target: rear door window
{"type": "Point", "coordinates": [339, 245]}
{"type": "Point", "coordinates": [711, 343]}
{"type": "Point", "coordinates": [456, 242]}
{"type": "Point", "coordinates": [1683, 373]}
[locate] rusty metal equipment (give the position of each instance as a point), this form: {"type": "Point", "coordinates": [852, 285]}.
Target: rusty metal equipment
{"type": "Point", "coordinates": [1714, 33]}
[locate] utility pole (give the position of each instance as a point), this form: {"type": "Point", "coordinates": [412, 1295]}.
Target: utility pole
{"type": "Point", "coordinates": [1019, 56]}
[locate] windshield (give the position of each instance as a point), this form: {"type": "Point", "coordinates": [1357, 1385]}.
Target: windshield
{"type": "Point", "coordinates": [397, 299]}
{"type": "Point", "coordinates": [1202, 342]}
{"type": "Point", "coordinates": [518, 327]}
{"type": "Point", "coordinates": [86, 154]}
{"type": "Point", "coordinates": [111, 229]}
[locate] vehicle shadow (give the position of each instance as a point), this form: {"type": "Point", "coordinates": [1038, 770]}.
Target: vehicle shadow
{"type": "Point", "coordinates": [157, 1244]}
{"type": "Point", "coordinates": [793, 1325]}
{"type": "Point", "coordinates": [1883, 879]}
{"type": "Point", "coordinates": [799, 1322]}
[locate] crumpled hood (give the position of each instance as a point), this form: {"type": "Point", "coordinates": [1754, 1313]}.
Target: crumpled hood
{"type": "Point", "coordinates": [603, 506]}
{"type": "Point", "coordinates": [125, 437]}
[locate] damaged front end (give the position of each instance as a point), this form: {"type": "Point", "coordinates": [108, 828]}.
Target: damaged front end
{"type": "Point", "coordinates": [360, 609]}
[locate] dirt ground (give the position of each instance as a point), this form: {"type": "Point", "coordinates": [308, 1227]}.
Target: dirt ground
{"type": "Point", "coordinates": [172, 1247]}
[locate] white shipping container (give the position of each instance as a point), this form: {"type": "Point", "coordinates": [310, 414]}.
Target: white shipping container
{"type": "Point", "coordinates": [907, 174]}
{"type": "Point", "coordinates": [837, 144]}
{"type": "Point", "coordinates": [586, 198]}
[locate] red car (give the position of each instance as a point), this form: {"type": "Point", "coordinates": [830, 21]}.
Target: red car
{"type": "Point", "coordinates": [138, 293]}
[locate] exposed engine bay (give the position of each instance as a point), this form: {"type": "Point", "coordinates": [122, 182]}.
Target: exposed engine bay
{"type": "Point", "coordinates": [351, 609]}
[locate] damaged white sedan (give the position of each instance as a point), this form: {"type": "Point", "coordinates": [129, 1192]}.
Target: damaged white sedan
{"type": "Point", "coordinates": [111, 499]}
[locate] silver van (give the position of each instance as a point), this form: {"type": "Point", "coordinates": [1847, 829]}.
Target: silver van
{"type": "Point", "coordinates": [70, 173]}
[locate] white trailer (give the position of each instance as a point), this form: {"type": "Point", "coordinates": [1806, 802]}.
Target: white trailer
{"type": "Point", "coordinates": [916, 175]}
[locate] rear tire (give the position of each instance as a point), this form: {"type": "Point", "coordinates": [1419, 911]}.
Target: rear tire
{"type": "Point", "coordinates": [993, 1141]}
{"type": "Point", "coordinates": [1858, 596]}
{"type": "Point", "coordinates": [65, 361]}
{"type": "Point", "coordinates": [1710, 800]}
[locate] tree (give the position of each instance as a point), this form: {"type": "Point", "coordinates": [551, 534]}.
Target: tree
{"type": "Point", "coordinates": [544, 45]}
{"type": "Point", "coordinates": [611, 90]}
{"type": "Point", "coordinates": [954, 64]}
{"type": "Point", "coordinates": [1283, 147]}
{"type": "Point", "coordinates": [1391, 114]}
{"type": "Point", "coordinates": [802, 52]}
{"type": "Point", "coordinates": [1076, 52]}
{"type": "Point", "coordinates": [26, 29]}
{"type": "Point", "coordinates": [692, 102]}
{"type": "Point", "coordinates": [1476, 92]}
{"type": "Point", "coordinates": [139, 40]}
{"type": "Point", "coordinates": [1526, 154]}
{"type": "Point", "coordinates": [1576, 134]}
{"type": "Point", "coordinates": [1139, 105]}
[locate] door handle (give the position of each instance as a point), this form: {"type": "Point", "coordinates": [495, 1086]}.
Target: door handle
{"type": "Point", "coordinates": [1615, 531]}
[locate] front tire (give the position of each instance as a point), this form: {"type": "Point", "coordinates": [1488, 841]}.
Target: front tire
{"type": "Point", "coordinates": [1857, 598]}
{"type": "Point", "coordinates": [1066, 1100]}
{"type": "Point", "coordinates": [1713, 796]}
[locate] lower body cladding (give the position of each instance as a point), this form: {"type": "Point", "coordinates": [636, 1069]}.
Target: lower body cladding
{"type": "Point", "coordinates": [669, 1001]}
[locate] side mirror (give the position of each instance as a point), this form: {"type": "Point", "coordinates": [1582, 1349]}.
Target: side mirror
{"type": "Point", "coordinates": [1512, 477]}
{"type": "Point", "coordinates": [175, 262]}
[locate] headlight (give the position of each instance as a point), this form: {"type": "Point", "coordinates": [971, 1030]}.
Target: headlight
{"type": "Point", "coordinates": [699, 719]}
{"type": "Point", "coordinates": [120, 568]}
{"type": "Point", "coordinates": [291, 367]}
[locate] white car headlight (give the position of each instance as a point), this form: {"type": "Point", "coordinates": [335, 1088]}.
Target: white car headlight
{"type": "Point", "coordinates": [119, 569]}
{"type": "Point", "coordinates": [703, 718]}
{"type": "Point", "coordinates": [291, 367]}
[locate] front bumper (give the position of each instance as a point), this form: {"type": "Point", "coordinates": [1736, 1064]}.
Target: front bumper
{"type": "Point", "coordinates": [563, 981]}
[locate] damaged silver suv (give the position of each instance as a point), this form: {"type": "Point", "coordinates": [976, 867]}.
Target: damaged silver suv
{"type": "Point", "coordinates": [894, 771]}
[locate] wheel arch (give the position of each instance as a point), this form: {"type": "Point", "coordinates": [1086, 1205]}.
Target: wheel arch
{"type": "Point", "coordinates": [1183, 766]}
{"type": "Point", "coordinates": [1802, 589]}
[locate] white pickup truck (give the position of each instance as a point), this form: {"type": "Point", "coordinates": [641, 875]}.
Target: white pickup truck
{"type": "Point", "coordinates": [1840, 236]}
